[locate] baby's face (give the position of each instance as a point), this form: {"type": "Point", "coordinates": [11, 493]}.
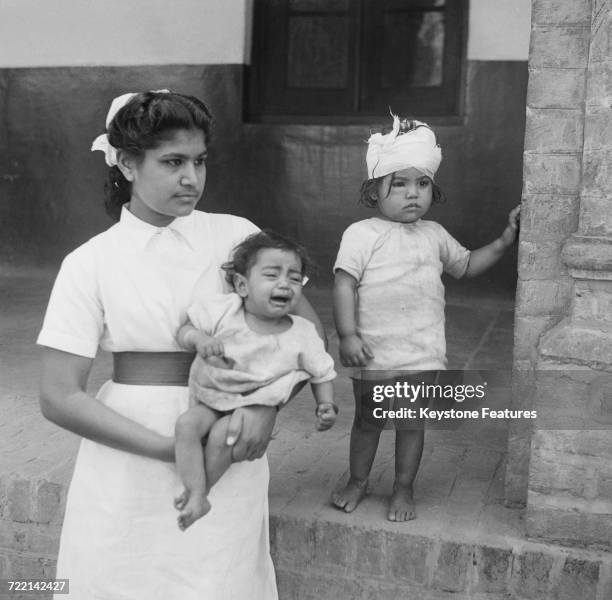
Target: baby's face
{"type": "Point", "coordinates": [273, 284]}
{"type": "Point", "coordinates": [405, 196]}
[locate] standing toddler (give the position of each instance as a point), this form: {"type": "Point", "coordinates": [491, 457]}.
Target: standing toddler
{"type": "Point", "coordinates": [389, 298]}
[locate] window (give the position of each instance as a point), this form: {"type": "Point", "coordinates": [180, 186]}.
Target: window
{"type": "Point", "coordinates": [352, 58]}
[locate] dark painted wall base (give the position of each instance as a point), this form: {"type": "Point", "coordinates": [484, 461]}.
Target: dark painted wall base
{"type": "Point", "coordinates": [300, 179]}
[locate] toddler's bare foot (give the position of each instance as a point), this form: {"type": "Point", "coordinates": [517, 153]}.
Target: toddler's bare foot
{"type": "Point", "coordinates": [193, 509]}
{"type": "Point", "coordinates": [401, 505]}
{"type": "Point", "coordinates": [349, 498]}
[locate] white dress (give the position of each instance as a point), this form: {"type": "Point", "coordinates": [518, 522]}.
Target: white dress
{"type": "Point", "coordinates": [128, 289]}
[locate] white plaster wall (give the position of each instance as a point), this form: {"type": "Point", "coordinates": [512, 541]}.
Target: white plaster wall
{"type": "Point", "coordinates": [56, 33]}
{"type": "Point", "coordinates": [45, 33]}
{"type": "Point", "coordinates": [499, 29]}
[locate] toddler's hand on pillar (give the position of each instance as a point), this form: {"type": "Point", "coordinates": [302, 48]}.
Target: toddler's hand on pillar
{"type": "Point", "coordinates": [509, 235]}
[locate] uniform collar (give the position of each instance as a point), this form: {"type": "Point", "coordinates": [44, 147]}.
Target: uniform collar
{"type": "Point", "coordinates": [141, 232]}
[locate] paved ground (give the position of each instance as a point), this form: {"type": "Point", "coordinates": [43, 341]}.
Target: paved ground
{"type": "Point", "coordinates": [459, 489]}
{"type": "Point", "coordinates": [464, 545]}
{"type": "Point", "coordinates": [459, 486]}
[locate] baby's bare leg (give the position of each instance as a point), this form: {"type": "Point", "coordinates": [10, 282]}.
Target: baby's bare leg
{"type": "Point", "coordinates": [190, 428]}
{"type": "Point", "coordinates": [217, 454]}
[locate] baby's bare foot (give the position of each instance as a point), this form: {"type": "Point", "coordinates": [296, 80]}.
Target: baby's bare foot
{"type": "Point", "coordinates": [181, 500]}
{"type": "Point", "coordinates": [195, 508]}
{"type": "Point", "coordinates": [349, 498]}
{"type": "Point", "coordinates": [401, 505]}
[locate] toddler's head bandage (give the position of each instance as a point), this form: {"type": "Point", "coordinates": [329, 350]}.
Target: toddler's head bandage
{"type": "Point", "coordinates": [395, 150]}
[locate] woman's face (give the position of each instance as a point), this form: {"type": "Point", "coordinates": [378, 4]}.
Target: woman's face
{"type": "Point", "coordinates": [168, 180]}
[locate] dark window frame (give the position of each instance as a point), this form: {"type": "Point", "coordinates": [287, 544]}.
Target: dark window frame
{"type": "Point", "coordinates": [268, 100]}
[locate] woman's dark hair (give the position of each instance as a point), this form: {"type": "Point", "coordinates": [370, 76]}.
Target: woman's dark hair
{"type": "Point", "coordinates": [145, 121]}
{"type": "Point", "coordinates": [369, 192]}
{"type": "Point", "coordinates": [245, 254]}
{"type": "Point", "coordinates": [369, 188]}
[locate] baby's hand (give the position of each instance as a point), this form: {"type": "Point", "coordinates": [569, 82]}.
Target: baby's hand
{"type": "Point", "coordinates": [354, 352]}
{"type": "Point", "coordinates": [326, 415]}
{"type": "Point", "coordinates": [209, 347]}
{"type": "Point", "coordinates": [509, 234]}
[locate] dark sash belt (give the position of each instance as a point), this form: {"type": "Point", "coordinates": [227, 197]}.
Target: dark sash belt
{"type": "Point", "coordinates": [152, 368]}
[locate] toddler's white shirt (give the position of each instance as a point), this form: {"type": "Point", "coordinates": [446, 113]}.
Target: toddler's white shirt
{"type": "Point", "coordinates": [400, 313]}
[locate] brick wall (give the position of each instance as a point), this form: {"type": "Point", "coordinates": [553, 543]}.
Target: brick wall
{"type": "Point", "coordinates": [552, 174]}
{"type": "Point", "coordinates": [565, 271]}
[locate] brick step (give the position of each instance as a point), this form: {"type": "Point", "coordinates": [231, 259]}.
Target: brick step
{"type": "Point", "coordinates": [328, 560]}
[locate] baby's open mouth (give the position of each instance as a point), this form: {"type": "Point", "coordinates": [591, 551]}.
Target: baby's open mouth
{"type": "Point", "coordinates": [280, 299]}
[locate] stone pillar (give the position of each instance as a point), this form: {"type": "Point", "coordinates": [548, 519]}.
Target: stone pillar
{"type": "Point", "coordinates": [570, 475]}
{"type": "Point", "coordinates": [558, 62]}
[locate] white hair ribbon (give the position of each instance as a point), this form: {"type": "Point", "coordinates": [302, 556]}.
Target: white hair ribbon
{"type": "Point", "coordinates": [395, 151]}
{"type": "Point", "coordinates": [101, 142]}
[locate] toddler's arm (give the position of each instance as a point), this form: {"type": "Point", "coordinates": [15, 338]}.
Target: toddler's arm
{"type": "Point", "coordinates": [353, 352]}
{"type": "Point", "coordinates": [326, 407]}
{"type": "Point", "coordinates": [485, 257]}
{"type": "Point", "coordinates": [205, 345]}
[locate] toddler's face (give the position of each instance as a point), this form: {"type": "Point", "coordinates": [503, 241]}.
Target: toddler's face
{"type": "Point", "coordinates": [273, 284]}
{"type": "Point", "coordinates": [405, 196]}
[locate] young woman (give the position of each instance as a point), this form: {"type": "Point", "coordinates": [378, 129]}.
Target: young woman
{"type": "Point", "coordinates": [127, 290]}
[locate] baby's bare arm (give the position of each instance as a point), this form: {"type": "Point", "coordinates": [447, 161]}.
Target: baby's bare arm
{"type": "Point", "coordinates": [326, 407]}
{"type": "Point", "coordinates": [191, 338]}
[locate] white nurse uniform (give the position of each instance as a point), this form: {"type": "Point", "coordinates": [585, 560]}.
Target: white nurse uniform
{"type": "Point", "coordinates": [128, 289]}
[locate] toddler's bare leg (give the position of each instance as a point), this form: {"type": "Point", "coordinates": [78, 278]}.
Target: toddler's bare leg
{"type": "Point", "coordinates": [190, 428]}
{"type": "Point", "coordinates": [408, 452]}
{"type": "Point", "coordinates": [364, 443]}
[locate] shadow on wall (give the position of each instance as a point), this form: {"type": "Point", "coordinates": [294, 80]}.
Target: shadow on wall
{"type": "Point", "coordinates": [52, 186]}
{"type": "Point", "coordinates": [302, 180]}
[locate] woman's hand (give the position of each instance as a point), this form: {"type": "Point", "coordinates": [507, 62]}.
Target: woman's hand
{"type": "Point", "coordinates": [249, 431]}
{"type": "Point", "coordinates": [354, 352]}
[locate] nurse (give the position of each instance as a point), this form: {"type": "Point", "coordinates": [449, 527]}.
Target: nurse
{"type": "Point", "coordinates": [126, 290]}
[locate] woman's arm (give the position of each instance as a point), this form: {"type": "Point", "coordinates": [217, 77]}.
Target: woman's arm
{"type": "Point", "coordinates": [64, 401]}
{"type": "Point", "coordinates": [485, 257]}
{"type": "Point", "coordinates": [353, 352]}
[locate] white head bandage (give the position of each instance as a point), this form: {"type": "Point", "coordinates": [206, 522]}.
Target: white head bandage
{"type": "Point", "coordinates": [395, 151]}
{"type": "Point", "coordinates": [101, 142]}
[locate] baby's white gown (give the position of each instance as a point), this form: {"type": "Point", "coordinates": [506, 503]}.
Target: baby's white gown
{"type": "Point", "coordinates": [127, 289]}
